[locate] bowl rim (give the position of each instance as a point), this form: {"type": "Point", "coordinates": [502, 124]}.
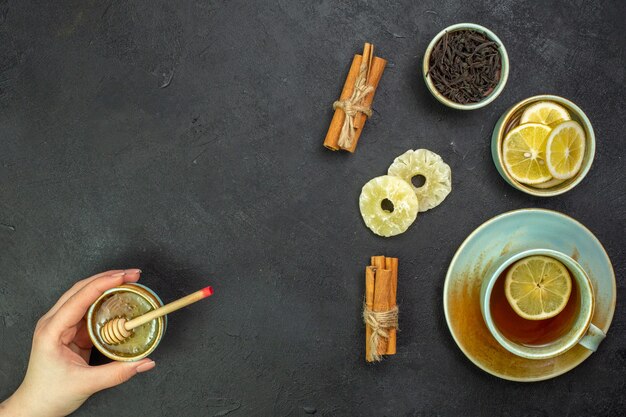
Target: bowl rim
{"type": "Point", "coordinates": [498, 137]}
{"type": "Point", "coordinates": [504, 74]}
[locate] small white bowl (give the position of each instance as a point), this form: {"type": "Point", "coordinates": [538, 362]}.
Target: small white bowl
{"type": "Point", "coordinates": [504, 71]}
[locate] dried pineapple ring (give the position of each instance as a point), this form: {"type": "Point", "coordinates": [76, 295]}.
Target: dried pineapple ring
{"type": "Point", "coordinates": [430, 165]}
{"type": "Point", "coordinates": [401, 210]}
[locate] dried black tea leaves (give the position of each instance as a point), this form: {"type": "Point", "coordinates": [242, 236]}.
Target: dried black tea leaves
{"type": "Point", "coordinates": [465, 66]}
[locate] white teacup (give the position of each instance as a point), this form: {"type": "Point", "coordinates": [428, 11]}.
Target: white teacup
{"type": "Point", "coordinates": [581, 331]}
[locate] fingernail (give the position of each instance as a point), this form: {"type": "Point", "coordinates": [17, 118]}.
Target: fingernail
{"type": "Point", "coordinates": [133, 271]}
{"type": "Point", "coordinates": [145, 367]}
{"type": "Point", "coordinates": [119, 274]}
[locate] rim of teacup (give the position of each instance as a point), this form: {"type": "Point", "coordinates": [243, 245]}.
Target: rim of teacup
{"type": "Point", "coordinates": [580, 326]}
{"type": "Point", "coordinates": [504, 71]}
{"type": "Point", "coordinates": [497, 139]}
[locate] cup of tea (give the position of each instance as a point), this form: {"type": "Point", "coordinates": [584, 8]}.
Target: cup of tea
{"type": "Point", "coordinates": [547, 338]}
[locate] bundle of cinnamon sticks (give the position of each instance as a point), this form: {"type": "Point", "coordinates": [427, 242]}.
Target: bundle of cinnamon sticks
{"type": "Point", "coordinates": [380, 312]}
{"type": "Point", "coordinates": [354, 104]}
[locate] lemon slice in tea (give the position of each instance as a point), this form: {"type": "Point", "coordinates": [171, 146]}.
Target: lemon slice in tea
{"type": "Point", "coordinates": [565, 150]}
{"type": "Point", "coordinates": [546, 113]}
{"type": "Point", "coordinates": [538, 287]}
{"type": "Point", "coordinates": [524, 152]}
{"type": "Point", "coordinates": [388, 205]}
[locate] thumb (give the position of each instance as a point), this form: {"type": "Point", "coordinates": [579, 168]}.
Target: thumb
{"type": "Point", "coordinates": [115, 373]}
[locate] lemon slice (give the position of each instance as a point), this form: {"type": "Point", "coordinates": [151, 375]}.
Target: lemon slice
{"type": "Point", "coordinates": [388, 205]}
{"type": "Point", "coordinates": [549, 184]}
{"type": "Point", "coordinates": [565, 150]}
{"type": "Point", "coordinates": [546, 113]}
{"type": "Point", "coordinates": [538, 287]}
{"type": "Point", "coordinates": [524, 153]}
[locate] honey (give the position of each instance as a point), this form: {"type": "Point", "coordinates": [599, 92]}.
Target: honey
{"type": "Point", "coordinates": [128, 305]}
{"type": "Point", "coordinates": [128, 301]}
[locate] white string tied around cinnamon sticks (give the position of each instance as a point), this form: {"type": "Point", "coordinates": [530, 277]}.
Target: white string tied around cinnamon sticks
{"type": "Point", "coordinates": [352, 106]}
{"type": "Point", "coordinates": [380, 322]}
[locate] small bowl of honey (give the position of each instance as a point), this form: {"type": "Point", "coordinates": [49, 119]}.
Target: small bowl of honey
{"type": "Point", "coordinates": [543, 146]}
{"type": "Point", "coordinates": [129, 300]}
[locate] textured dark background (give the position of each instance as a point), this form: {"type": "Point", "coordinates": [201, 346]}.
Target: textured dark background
{"type": "Point", "coordinates": [185, 138]}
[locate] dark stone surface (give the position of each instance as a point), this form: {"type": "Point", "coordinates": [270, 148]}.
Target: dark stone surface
{"type": "Point", "coordinates": [184, 138]}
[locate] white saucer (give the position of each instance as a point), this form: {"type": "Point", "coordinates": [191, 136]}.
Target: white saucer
{"type": "Point", "coordinates": [510, 233]}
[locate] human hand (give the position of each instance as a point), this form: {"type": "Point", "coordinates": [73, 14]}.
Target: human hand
{"type": "Point", "coordinates": [59, 379]}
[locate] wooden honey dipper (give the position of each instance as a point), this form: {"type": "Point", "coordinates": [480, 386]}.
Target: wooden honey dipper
{"type": "Point", "coordinates": [119, 329]}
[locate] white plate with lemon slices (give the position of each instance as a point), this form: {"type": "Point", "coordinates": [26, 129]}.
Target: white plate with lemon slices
{"type": "Point", "coordinates": [543, 146]}
{"type": "Point", "coordinates": [504, 235]}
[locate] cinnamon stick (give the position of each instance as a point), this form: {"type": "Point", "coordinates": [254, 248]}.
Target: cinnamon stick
{"type": "Point", "coordinates": [332, 136]}
{"type": "Point", "coordinates": [368, 56]}
{"type": "Point", "coordinates": [376, 73]}
{"type": "Point", "coordinates": [382, 287]}
{"type": "Point", "coordinates": [378, 261]}
{"type": "Point", "coordinates": [392, 265]}
{"type": "Point", "coordinates": [369, 62]}
{"type": "Point", "coordinates": [370, 273]}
